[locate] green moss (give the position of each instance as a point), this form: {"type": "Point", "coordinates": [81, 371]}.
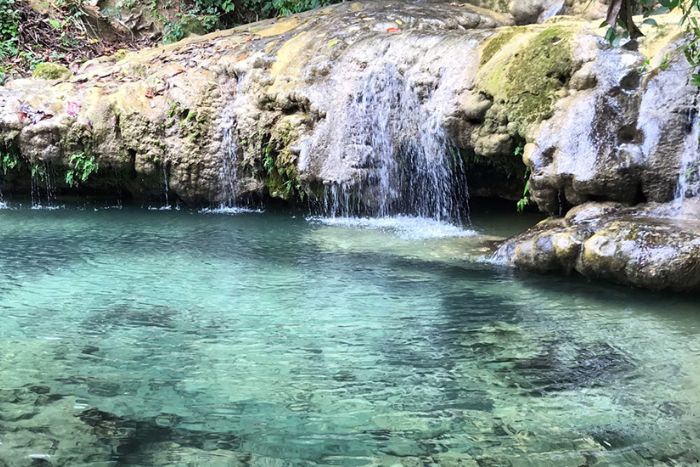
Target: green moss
{"type": "Point", "coordinates": [525, 86]}
{"type": "Point", "coordinates": [77, 137]}
{"type": "Point", "coordinates": [195, 125]}
{"type": "Point", "coordinates": [48, 70]}
{"type": "Point", "coordinates": [280, 164]}
{"type": "Point", "coordinates": [495, 44]}
{"type": "Point", "coordinates": [119, 55]}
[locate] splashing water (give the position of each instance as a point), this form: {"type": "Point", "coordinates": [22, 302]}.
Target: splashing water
{"type": "Point", "coordinates": [401, 155]}
{"type": "Point", "coordinates": [405, 227]}
{"type": "Point", "coordinates": [231, 210]}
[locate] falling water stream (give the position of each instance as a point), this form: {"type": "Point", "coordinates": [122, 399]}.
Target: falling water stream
{"type": "Point", "coordinates": [43, 186]}
{"type": "Point", "coordinates": [229, 159]}
{"type": "Point", "coordinates": [399, 155]}
{"type": "Point", "coordinates": [689, 174]}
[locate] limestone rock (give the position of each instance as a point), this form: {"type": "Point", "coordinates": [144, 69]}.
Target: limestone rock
{"type": "Point", "coordinates": [640, 247]}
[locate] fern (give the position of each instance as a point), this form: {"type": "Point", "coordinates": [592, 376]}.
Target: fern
{"type": "Point", "coordinates": [81, 167]}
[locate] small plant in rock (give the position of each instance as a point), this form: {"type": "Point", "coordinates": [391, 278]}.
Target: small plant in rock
{"type": "Point", "coordinates": [81, 167]}
{"type": "Point", "coordinates": [38, 171]}
{"type": "Point", "coordinates": [9, 162]}
{"type": "Point", "coordinates": [525, 200]}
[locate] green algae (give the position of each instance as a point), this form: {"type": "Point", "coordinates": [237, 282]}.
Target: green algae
{"type": "Point", "coordinates": [525, 85]}
{"type": "Point", "coordinates": [48, 70]}
{"type": "Point", "coordinates": [495, 44]}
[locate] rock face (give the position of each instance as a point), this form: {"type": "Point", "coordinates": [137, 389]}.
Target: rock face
{"type": "Point", "coordinates": [158, 118]}
{"type": "Point", "coordinates": [646, 247]}
{"type": "Point", "coordinates": [296, 108]}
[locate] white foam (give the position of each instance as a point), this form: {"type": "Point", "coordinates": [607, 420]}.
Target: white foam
{"type": "Point", "coordinates": [230, 210]}
{"type": "Point", "coordinates": [40, 207]}
{"type": "Point", "coordinates": [405, 227]}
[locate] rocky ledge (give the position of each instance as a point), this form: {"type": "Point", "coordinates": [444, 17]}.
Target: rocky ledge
{"type": "Point", "coordinates": [655, 247]}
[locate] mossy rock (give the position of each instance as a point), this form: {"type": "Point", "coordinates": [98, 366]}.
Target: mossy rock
{"type": "Point", "coordinates": [495, 44]}
{"type": "Point", "coordinates": [280, 163]}
{"type": "Point", "coordinates": [48, 70]}
{"type": "Point", "coordinates": [523, 74]}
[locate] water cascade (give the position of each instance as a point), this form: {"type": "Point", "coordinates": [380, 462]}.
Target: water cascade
{"type": "Point", "coordinates": [166, 186]}
{"type": "Point", "coordinates": [689, 172]}
{"type": "Point", "coordinates": [43, 186]}
{"type": "Point", "coordinates": [229, 153]}
{"type": "Point", "coordinates": [388, 153]}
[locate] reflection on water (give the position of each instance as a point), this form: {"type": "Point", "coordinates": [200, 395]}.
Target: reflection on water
{"type": "Point", "coordinates": [160, 338]}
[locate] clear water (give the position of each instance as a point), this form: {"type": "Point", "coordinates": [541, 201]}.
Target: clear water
{"type": "Point", "coordinates": [134, 337]}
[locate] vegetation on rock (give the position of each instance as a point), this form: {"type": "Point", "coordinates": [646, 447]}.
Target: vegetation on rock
{"type": "Point", "coordinates": [82, 166]}
{"type": "Point", "coordinates": [48, 70]}
{"type": "Point", "coordinates": [622, 24]}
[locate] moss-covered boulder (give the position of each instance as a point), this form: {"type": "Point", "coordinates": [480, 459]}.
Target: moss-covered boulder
{"type": "Point", "coordinates": [48, 70]}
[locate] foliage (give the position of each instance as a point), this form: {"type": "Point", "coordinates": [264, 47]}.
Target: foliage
{"type": "Point", "coordinates": [38, 171]}
{"type": "Point", "coordinates": [525, 200]}
{"type": "Point", "coordinates": [82, 166]}
{"type": "Point", "coordinates": [9, 21]}
{"type": "Point", "coordinates": [200, 16]}
{"type": "Point", "coordinates": [9, 31]}
{"type": "Point", "coordinates": [285, 7]}
{"type": "Point", "coordinates": [67, 34]}
{"type": "Point", "coordinates": [621, 24]}
{"type": "Point", "coordinates": [280, 164]}
{"type": "Point", "coordinates": [9, 162]}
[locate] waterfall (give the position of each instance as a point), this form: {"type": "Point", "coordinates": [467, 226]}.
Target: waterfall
{"type": "Point", "coordinates": [389, 154]}
{"type": "Point", "coordinates": [689, 174]}
{"type": "Point", "coordinates": [166, 186]}
{"type": "Point", "coordinates": [229, 155]}
{"type": "Point", "coordinates": [43, 187]}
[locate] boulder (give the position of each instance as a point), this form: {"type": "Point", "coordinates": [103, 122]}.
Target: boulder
{"type": "Point", "coordinates": [646, 247]}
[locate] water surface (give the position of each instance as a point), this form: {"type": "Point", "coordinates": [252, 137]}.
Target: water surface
{"type": "Point", "coordinates": [135, 337]}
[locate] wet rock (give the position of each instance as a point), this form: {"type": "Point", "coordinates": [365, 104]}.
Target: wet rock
{"type": "Point", "coordinates": [606, 241]}
{"type": "Point", "coordinates": [130, 316]}
{"type": "Point", "coordinates": [534, 11]}
{"type": "Point", "coordinates": [537, 11]}
{"type": "Point", "coordinates": [42, 431]}
{"type": "Point", "coordinates": [90, 349]}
